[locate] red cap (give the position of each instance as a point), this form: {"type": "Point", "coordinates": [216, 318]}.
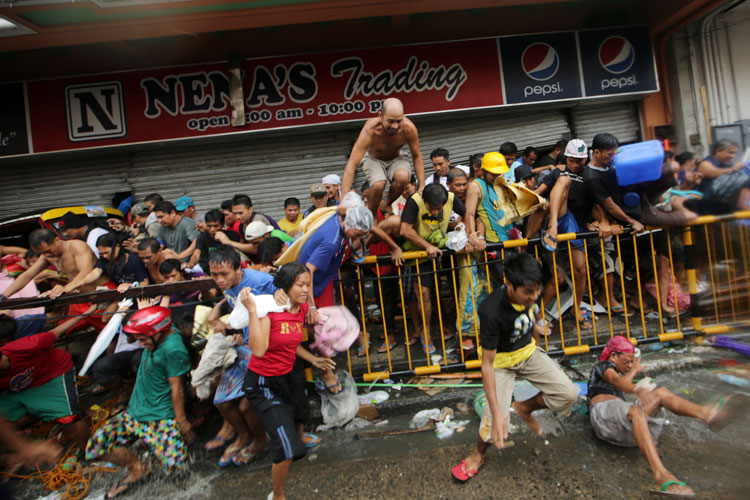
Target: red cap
{"type": "Point", "coordinates": [618, 343]}
{"type": "Point", "coordinates": [10, 259]}
{"type": "Point", "coordinates": [149, 321]}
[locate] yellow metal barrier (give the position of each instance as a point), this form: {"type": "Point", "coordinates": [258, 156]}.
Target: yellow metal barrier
{"type": "Point", "coordinates": [637, 303]}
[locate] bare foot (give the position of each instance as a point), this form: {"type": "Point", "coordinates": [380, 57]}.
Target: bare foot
{"type": "Point", "coordinates": [531, 422]}
{"type": "Point", "coordinates": [137, 472]}
{"type": "Point", "coordinates": [331, 381]}
{"type": "Point", "coordinates": [667, 309]}
{"type": "Point", "coordinates": [675, 488]}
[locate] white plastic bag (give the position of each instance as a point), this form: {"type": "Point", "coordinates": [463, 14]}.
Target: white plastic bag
{"type": "Point", "coordinates": [457, 239]}
{"type": "Point", "coordinates": [264, 304]}
{"type": "Point", "coordinates": [105, 337]}
{"type": "Point", "coordinates": [424, 417]}
{"type": "Point", "coordinates": [338, 409]}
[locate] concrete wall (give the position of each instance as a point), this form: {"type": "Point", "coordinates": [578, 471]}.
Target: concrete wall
{"type": "Point", "coordinates": [738, 31]}
{"type": "Point", "coordinates": [714, 56]}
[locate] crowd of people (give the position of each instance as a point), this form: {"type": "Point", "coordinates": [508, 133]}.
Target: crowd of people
{"type": "Point", "coordinates": [496, 196]}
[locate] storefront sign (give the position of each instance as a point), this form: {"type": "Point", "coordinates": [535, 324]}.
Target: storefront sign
{"type": "Point", "coordinates": [540, 67]}
{"type": "Point", "coordinates": [280, 92]}
{"type": "Point", "coordinates": [617, 61]}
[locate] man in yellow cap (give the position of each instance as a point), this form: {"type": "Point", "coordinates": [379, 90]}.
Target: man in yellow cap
{"type": "Point", "coordinates": [482, 201]}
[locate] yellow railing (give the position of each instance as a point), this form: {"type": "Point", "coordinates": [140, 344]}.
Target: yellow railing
{"type": "Point", "coordinates": [715, 248]}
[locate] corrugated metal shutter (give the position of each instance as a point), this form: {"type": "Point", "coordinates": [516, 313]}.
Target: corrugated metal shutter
{"type": "Point", "coordinates": [269, 169]}
{"type": "Point", "coordinates": [463, 137]}
{"type": "Point", "coordinates": [47, 183]}
{"type": "Point", "coordinates": [619, 119]}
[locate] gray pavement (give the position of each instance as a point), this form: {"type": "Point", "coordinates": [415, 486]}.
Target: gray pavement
{"type": "Point", "coordinates": [567, 462]}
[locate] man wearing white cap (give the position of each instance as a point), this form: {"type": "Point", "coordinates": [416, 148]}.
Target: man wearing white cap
{"type": "Point", "coordinates": [332, 183]}
{"type": "Point", "coordinates": [570, 210]}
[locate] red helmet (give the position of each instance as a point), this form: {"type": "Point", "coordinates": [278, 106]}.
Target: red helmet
{"type": "Point", "coordinates": [149, 321]}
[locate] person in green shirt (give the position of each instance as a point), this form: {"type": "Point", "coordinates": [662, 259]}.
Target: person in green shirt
{"type": "Point", "coordinates": [156, 411]}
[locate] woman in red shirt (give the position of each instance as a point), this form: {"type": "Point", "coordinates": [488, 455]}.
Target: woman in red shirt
{"type": "Point", "coordinates": [275, 392]}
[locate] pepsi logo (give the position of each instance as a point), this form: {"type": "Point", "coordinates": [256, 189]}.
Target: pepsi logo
{"type": "Point", "coordinates": [540, 61]}
{"type": "Point", "coordinates": [616, 54]}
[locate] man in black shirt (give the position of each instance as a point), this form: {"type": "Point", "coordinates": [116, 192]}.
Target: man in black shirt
{"type": "Point", "coordinates": [635, 424]}
{"type": "Point", "coordinates": [508, 336]}
{"type": "Point", "coordinates": [600, 181]}
{"type": "Point", "coordinates": [207, 241]}
{"type": "Point", "coordinates": [550, 159]}
{"type": "Point", "coordinates": [571, 210]}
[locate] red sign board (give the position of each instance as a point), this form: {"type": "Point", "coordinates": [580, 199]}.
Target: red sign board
{"type": "Point", "coordinates": [193, 101]}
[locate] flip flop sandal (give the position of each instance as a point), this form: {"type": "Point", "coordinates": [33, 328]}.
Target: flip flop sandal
{"type": "Point", "coordinates": [413, 340]}
{"type": "Point", "coordinates": [223, 463]}
{"type": "Point", "coordinates": [321, 386]}
{"type": "Point", "coordinates": [218, 439]}
{"type": "Point", "coordinates": [315, 442]}
{"type": "Point", "coordinates": [245, 455]}
{"type": "Point", "coordinates": [430, 349]}
{"type": "Point", "coordinates": [663, 490]}
{"type": "Point", "coordinates": [386, 347]}
{"type": "Point", "coordinates": [730, 408]}
{"type": "Point", "coordinates": [358, 256]}
{"type": "Point", "coordinates": [545, 245]}
{"type": "Point", "coordinates": [620, 309]}
{"type": "Point", "coordinates": [361, 349]}
{"type": "Point", "coordinates": [460, 473]}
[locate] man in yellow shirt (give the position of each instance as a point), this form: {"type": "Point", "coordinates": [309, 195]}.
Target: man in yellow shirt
{"type": "Point", "coordinates": [290, 223]}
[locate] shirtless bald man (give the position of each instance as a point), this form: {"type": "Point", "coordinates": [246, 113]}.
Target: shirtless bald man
{"type": "Point", "coordinates": [378, 150]}
{"type": "Point", "coordinates": [74, 259]}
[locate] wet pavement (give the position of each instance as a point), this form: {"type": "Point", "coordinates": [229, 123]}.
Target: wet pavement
{"type": "Point", "coordinates": [567, 462]}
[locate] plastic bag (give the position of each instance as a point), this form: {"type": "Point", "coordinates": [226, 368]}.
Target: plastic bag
{"type": "Point", "coordinates": [373, 398]}
{"type": "Point", "coordinates": [338, 409]}
{"type": "Point", "coordinates": [446, 428]}
{"type": "Point", "coordinates": [264, 304]}
{"type": "Point", "coordinates": [105, 337]}
{"type": "Point", "coordinates": [457, 239]}
{"type": "Point", "coordinates": [336, 331]}
{"type": "Point", "coordinates": [424, 417]}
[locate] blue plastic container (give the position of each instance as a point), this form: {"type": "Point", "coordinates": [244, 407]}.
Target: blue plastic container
{"type": "Point", "coordinates": [639, 162]}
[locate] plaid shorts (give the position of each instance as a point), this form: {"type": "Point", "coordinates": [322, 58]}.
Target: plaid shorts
{"type": "Point", "coordinates": [163, 437]}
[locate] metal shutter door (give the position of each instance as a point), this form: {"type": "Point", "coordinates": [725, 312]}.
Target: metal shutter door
{"type": "Point", "coordinates": [619, 119]}
{"type": "Point", "coordinates": [463, 137]}
{"type": "Point", "coordinates": [48, 183]}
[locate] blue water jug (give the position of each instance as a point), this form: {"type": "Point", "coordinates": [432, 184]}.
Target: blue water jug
{"type": "Point", "coordinates": [639, 162]}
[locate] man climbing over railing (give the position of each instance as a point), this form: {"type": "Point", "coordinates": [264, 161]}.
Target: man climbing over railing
{"type": "Point", "coordinates": [627, 424]}
{"type": "Point", "coordinates": [508, 338]}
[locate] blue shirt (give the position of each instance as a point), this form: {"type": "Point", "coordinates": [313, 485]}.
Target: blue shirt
{"type": "Point", "coordinates": [258, 282]}
{"type": "Point", "coordinates": [324, 250]}
{"type": "Point", "coordinates": [509, 175]}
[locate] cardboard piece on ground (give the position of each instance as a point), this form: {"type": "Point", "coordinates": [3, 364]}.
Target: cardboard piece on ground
{"type": "Point", "coordinates": [368, 412]}
{"type": "Point", "coordinates": [436, 390]}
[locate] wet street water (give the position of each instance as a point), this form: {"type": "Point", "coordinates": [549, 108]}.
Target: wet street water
{"type": "Point", "coordinates": [567, 462]}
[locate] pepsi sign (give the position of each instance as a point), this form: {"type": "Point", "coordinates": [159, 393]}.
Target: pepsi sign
{"type": "Point", "coordinates": [617, 61]}
{"type": "Point", "coordinates": [540, 68]}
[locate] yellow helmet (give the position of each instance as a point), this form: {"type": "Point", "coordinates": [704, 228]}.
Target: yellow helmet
{"type": "Point", "coordinates": [494, 163]}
